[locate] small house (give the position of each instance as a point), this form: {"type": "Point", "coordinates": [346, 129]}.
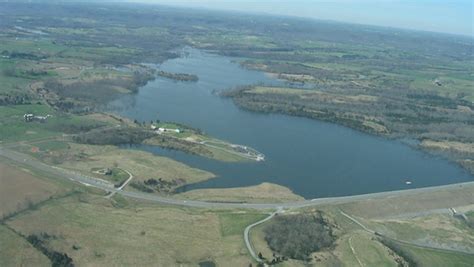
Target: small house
{"type": "Point", "coordinates": [28, 117]}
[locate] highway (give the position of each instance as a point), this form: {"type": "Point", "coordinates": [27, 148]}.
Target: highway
{"type": "Point", "coordinates": [107, 186]}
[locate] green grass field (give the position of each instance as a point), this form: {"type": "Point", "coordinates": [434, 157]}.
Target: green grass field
{"type": "Point", "coordinates": [436, 258]}
{"type": "Point", "coordinates": [15, 128]}
{"type": "Point", "coordinates": [358, 248]}
{"type": "Point", "coordinates": [16, 251]}
{"type": "Point", "coordinates": [142, 165]}
{"type": "Point", "coordinates": [49, 146]}
{"type": "Point", "coordinates": [235, 223]}
{"type": "Point", "coordinates": [434, 230]}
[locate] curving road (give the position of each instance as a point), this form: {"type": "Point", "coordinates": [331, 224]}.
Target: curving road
{"type": "Point", "coordinates": [248, 244]}
{"type": "Point", "coordinates": [104, 185]}
{"type": "Point", "coordinates": [130, 177]}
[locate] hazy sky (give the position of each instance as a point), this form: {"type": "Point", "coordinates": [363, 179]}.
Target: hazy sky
{"type": "Point", "coordinates": [451, 16]}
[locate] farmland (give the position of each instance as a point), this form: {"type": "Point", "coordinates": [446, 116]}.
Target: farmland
{"type": "Point", "coordinates": [80, 227]}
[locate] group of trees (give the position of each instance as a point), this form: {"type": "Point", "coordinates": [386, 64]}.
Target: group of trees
{"type": "Point", "coordinates": [274, 260]}
{"type": "Point", "coordinates": [21, 55]}
{"type": "Point", "coordinates": [141, 187]}
{"type": "Point", "coordinates": [155, 185]}
{"type": "Point", "coordinates": [172, 143]}
{"type": "Point", "coordinates": [178, 76]}
{"type": "Point", "coordinates": [87, 95]}
{"type": "Point", "coordinates": [297, 236]}
{"type": "Point", "coordinates": [29, 73]}
{"type": "Point", "coordinates": [139, 79]}
{"type": "Point", "coordinates": [161, 185]}
{"type": "Point", "coordinates": [114, 136]}
{"type": "Point", "coordinates": [404, 258]}
{"type": "Point", "coordinates": [470, 221]}
{"type": "Point", "coordinates": [96, 92]}
{"type": "Point", "coordinates": [16, 99]}
{"type": "Point", "coordinates": [57, 259]}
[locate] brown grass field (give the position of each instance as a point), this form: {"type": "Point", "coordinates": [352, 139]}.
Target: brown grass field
{"type": "Point", "coordinates": [138, 234]}
{"type": "Point", "coordinates": [19, 188]}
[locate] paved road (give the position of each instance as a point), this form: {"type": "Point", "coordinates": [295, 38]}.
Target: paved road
{"type": "Point", "coordinates": [89, 181]}
{"type": "Point", "coordinates": [247, 232]}
{"type": "Point", "coordinates": [354, 252]}
{"type": "Point", "coordinates": [130, 177]}
{"type": "Point", "coordinates": [357, 222]}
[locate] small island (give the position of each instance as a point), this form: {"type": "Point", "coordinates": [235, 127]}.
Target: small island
{"type": "Point", "coordinates": [182, 77]}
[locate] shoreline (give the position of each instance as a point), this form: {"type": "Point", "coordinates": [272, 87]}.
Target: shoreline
{"type": "Point", "coordinates": [443, 154]}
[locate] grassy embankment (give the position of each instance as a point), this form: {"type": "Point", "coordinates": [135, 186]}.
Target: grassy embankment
{"type": "Point", "coordinates": [262, 193]}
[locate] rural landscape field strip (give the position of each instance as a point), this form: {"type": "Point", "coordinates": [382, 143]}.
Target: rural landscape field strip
{"type": "Point", "coordinates": [89, 181]}
{"type": "Point", "coordinates": [365, 228]}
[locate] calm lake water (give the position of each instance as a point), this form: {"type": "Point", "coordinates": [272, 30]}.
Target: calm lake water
{"type": "Point", "coordinates": [312, 158]}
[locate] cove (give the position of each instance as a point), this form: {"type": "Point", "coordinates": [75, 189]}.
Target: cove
{"type": "Point", "coordinates": [312, 158]}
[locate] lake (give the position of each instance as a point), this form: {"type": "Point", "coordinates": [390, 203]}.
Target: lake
{"type": "Point", "coordinates": [312, 158]}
